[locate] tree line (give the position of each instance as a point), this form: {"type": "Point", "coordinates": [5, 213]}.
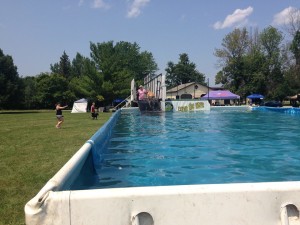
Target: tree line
{"type": "Point", "coordinates": [249, 61]}
{"type": "Point", "coordinates": [101, 78]}
{"type": "Point", "coordinates": [260, 62]}
{"type": "Point", "coordinates": [104, 76]}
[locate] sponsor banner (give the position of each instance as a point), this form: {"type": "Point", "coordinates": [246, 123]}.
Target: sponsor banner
{"type": "Point", "coordinates": [186, 106]}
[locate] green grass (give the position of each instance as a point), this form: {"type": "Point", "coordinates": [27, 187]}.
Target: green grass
{"type": "Point", "coordinates": [32, 150]}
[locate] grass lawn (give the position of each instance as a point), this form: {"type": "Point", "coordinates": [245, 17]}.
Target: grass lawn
{"type": "Point", "coordinates": [32, 150]}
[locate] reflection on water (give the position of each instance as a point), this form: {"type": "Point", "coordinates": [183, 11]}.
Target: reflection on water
{"type": "Point", "coordinates": [199, 148]}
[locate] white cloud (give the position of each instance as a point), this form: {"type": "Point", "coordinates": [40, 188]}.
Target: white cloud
{"type": "Point", "coordinates": [135, 8]}
{"type": "Point", "coordinates": [97, 4]}
{"type": "Point", "coordinates": [286, 15]}
{"type": "Point", "coordinates": [238, 17]}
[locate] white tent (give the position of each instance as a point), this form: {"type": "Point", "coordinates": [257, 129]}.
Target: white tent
{"type": "Point", "coordinates": [80, 106]}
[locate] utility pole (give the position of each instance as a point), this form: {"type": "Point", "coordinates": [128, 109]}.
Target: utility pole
{"type": "Point", "coordinates": [208, 89]}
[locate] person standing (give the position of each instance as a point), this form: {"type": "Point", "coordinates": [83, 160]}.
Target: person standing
{"type": "Point", "coordinates": [59, 116]}
{"type": "Point", "coordinates": [93, 111]}
{"type": "Point", "coordinates": [142, 92]}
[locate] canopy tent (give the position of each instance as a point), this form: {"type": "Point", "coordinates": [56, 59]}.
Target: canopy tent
{"type": "Point", "coordinates": [119, 100]}
{"type": "Point", "coordinates": [255, 96]}
{"type": "Point", "coordinates": [295, 97]}
{"type": "Point", "coordinates": [220, 95]}
{"type": "Point", "coordinates": [80, 106]}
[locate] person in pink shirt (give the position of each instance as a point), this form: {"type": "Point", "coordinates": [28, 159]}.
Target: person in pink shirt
{"type": "Point", "coordinates": [142, 92]}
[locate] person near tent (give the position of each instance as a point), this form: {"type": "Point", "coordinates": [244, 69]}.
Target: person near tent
{"type": "Point", "coordinates": [59, 116]}
{"type": "Point", "coordinates": [93, 111]}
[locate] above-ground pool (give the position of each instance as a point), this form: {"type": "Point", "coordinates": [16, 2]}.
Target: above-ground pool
{"type": "Point", "coordinates": [229, 166]}
{"type": "Point", "coordinates": [198, 148]}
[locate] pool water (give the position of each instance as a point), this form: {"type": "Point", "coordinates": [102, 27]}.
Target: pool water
{"type": "Point", "coordinates": [177, 148]}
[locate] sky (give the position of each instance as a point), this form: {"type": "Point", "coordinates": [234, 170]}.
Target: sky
{"type": "Point", "coordinates": [37, 32]}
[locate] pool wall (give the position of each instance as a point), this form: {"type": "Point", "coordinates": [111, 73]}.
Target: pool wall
{"type": "Point", "coordinates": [226, 204]}
{"type": "Point", "coordinates": [39, 210]}
{"type": "Point", "coordinates": [286, 110]}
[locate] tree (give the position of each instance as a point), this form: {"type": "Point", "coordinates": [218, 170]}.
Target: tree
{"type": "Point", "coordinates": [88, 81]}
{"type": "Point", "coordinates": [30, 92]}
{"type": "Point", "coordinates": [119, 64]}
{"type": "Point", "coordinates": [221, 78]}
{"type": "Point", "coordinates": [292, 24]}
{"type": "Point", "coordinates": [63, 67]}
{"type": "Point", "coordinates": [295, 47]}
{"type": "Point", "coordinates": [53, 88]}
{"type": "Point", "coordinates": [271, 40]}
{"type": "Point", "coordinates": [253, 63]}
{"type": "Point", "coordinates": [77, 66]}
{"type": "Point", "coordinates": [147, 65]}
{"type": "Point", "coordinates": [10, 83]}
{"type": "Point", "coordinates": [292, 73]}
{"type": "Point", "coordinates": [183, 72]}
{"type": "Point", "coordinates": [235, 46]}
{"type": "Point", "coordinates": [171, 78]}
{"type": "Point", "coordinates": [292, 79]}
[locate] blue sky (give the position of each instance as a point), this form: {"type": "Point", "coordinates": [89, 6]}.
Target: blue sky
{"type": "Point", "coordinates": [36, 32]}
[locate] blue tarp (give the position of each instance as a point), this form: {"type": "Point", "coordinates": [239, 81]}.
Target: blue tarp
{"type": "Point", "coordinates": [254, 96]}
{"type": "Point", "coordinates": [118, 100]}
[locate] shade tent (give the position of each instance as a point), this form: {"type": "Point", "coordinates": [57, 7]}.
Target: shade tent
{"type": "Point", "coordinates": [255, 96]}
{"type": "Point", "coordinates": [295, 97]}
{"type": "Point", "coordinates": [80, 106]}
{"type": "Point", "coordinates": [119, 100]}
{"type": "Point", "coordinates": [220, 95]}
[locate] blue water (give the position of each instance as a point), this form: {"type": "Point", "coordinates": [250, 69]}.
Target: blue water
{"type": "Point", "coordinates": [213, 147]}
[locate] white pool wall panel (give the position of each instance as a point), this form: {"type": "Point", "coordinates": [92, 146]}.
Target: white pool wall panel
{"type": "Point", "coordinates": [226, 204]}
{"type": "Point", "coordinates": [51, 200]}
{"type": "Point", "coordinates": [213, 204]}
